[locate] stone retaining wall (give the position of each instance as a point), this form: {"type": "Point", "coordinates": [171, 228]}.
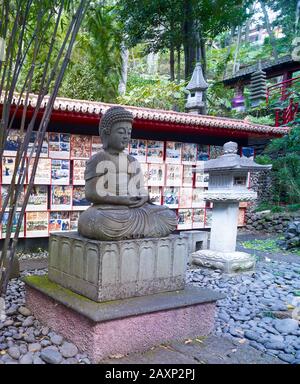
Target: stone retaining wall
{"type": "Point", "coordinates": [269, 222]}
{"type": "Point", "coordinates": [261, 182]}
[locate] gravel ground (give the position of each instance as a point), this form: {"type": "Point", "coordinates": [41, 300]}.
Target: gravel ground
{"type": "Point", "coordinates": [262, 309]}
{"type": "Point", "coordinates": [23, 340]}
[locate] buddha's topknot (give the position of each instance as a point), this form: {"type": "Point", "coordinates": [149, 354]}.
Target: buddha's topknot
{"type": "Point", "coordinates": [114, 115]}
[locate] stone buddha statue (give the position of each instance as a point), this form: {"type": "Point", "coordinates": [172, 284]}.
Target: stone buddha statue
{"type": "Point", "coordinates": [115, 187]}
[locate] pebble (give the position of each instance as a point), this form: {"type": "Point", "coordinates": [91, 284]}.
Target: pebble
{"type": "Point", "coordinates": [28, 322]}
{"type": "Point", "coordinates": [286, 357]}
{"type": "Point", "coordinates": [276, 339]}
{"type": "Point", "coordinates": [45, 343]}
{"type": "Point", "coordinates": [45, 331]}
{"type": "Point", "coordinates": [29, 338]}
{"type": "Point", "coordinates": [34, 347]}
{"type": "Point", "coordinates": [23, 349]}
{"type": "Point", "coordinates": [68, 350]}
{"type": "Point", "coordinates": [251, 335]}
{"type": "Point", "coordinates": [71, 360]}
{"type": "Point", "coordinates": [27, 358]}
{"type": "Point", "coordinates": [275, 345]}
{"type": "Point", "coordinates": [257, 306]}
{"type": "Point", "coordinates": [51, 356]}
{"type": "Point", "coordinates": [56, 339]}
{"type": "Point", "coordinates": [24, 311]}
{"type": "Point", "coordinates": [25, 340]}
{"type": "Point", "coordinates": [286, 325]}
{"type": "Point", "coordinates": [14, 352]}
{"type": "Point", "coordinates": [37, 360]}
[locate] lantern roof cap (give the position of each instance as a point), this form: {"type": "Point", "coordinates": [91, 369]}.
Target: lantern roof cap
{"type": "Point", "coordinates": [230, 160]}
{"type": "Point", "coordinates": [197, 82]}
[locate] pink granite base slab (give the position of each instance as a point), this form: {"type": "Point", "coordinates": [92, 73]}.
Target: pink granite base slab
{"type": "Point", "coordinates": [122, 336]}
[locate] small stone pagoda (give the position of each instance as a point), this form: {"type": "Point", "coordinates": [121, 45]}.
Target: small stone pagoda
{"type": "Point", "coordinates": [258, 87]}
{"type": "Point", "coordinates": [196, 87]}
{"type": "Point", "coordinates": [227, 187]}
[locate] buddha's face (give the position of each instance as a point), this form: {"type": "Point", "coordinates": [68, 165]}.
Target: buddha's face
{"type": "Point", "coordinates": [119, 136]}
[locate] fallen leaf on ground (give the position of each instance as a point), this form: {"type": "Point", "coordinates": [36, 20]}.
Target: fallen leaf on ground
{"type": "Point", "coordinates": [290, 306]}
{"type": "Point", "coordinates": [117, 356]}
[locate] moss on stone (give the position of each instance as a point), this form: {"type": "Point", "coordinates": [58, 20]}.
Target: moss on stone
{"type": "Point", "coordinates": [43, 284]}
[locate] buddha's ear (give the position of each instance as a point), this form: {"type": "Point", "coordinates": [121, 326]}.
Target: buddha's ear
{"type": "Point", "coordinates": [104, 132]}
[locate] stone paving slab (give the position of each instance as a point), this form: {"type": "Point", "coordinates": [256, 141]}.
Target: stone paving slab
{"type": "Point", "coordinates": [158, 355]}
{"type": "Point", "coordinates": [210, 350]}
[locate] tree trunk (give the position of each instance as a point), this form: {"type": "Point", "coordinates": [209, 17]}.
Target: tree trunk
{"type": "Point", "coordinates": [247, 31]}
{"type": "Point", "coordinates": [152, 63]}
{"type": "Point", "coordinates": [237, 50]}
{"type": "Point", "coordinates": [204, 69]}
{"type": "Point", "coordinates": [189, 59]}
{"type": "Point", "coordinates": [178, 65]}
{"type": "Point", "coordinates": [297, 16]}
{"type": "Point", "coordinates": [247, 24]}
{"type": "Point", "coordinates": [269, 29]}
{"type": "Point", "coordinates": [172, 63]}
{"type": "Point", "coordinates": [52, 75]}
{"type": "Point", "coordinates": [189, 41]}
{"type": "Point", "coordinates": [124, 70]}
{"type": "Point", "coordinates": [229, 49]}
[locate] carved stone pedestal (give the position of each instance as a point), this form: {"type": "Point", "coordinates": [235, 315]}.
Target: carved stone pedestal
{"type": "Point", "coordinates": [228, 262]}
{"type": "Point", "coordinates": [112, 297]}
{"type": "Point", "coordinates": [111, 270]}
{"type": "Point", "coordinates": [121, 326]}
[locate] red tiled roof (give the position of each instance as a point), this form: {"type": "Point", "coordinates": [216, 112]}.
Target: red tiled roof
{"type": "Point", "coordinates": [98, 108]}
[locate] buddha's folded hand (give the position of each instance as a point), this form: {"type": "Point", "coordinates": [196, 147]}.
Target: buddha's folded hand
{"type": "Point", "coordinates": [138, 201]}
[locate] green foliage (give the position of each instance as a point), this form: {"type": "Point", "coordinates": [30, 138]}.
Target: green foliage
{"type": "Point", "coordinates": [263, 120]}
{"type": "Point", "coordinates": [80, 82]}
{"type": "Point", "coordinates": [284, 154]}
{"type": "Point", "coordinates": [265, 245]}
{"type": "Point", "coordinates": [268, 246]}
{"type": "Point", "coordinates": [156, 93]}
{"type": "Point", "coordinates": [286, 18]}
{"type": "Point", "coordinates": [94, 70]}
{"type": "Point", "coordinates": [269, 206]}
{"type": "Point", "coordinates": [175, 23]}
{"type": "Point", "coordinates": [219, 99]}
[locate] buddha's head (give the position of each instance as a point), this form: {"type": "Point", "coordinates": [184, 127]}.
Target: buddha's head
{"type": "Point", "coordinates": [115, 128]}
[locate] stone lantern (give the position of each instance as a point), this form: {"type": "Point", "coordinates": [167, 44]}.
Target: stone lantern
{"type": "Point", "coordinates": [196, 87]}
{"type": "Point", "coordinates": [227, 187]}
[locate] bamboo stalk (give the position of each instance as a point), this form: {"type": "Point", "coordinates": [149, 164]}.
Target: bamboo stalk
{"type": "Point", "coordinates": [56, 76]}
